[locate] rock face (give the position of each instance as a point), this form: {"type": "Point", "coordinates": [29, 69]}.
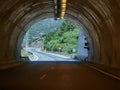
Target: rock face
{"type": "Point", "coordinates": [100, 19]}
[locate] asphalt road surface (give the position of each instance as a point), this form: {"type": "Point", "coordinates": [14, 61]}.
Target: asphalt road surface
{"type": "Point", "coordinates": [56, 76]}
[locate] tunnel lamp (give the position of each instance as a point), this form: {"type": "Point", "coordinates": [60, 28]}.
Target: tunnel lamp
{"type": "Point", "coordinates": [59, 8]}
{"type": "Point", "coordinates": [64, 1]}
{"type": "Point", "coordinates": [63, 8]}
{"type": "Point", "coordinates": [62, 15]}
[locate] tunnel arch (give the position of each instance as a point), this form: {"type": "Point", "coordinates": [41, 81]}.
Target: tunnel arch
{"type": "Point", "coordinates": [38, 19]}
{"type": "Point", "coordinates": [47, 15]}
{"type": "Point", "coordinates": [99, 17]}
{"type": "Point", "coordinates": [44, 16]}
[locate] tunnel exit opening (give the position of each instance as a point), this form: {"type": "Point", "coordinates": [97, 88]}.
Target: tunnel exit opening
{"type": "Point", "coordinates": [55, 40]}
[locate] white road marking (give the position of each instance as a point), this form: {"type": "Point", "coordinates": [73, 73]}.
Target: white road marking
{"type": "Point", "coordinates": [43, 76]}
{"type": "Point", "coordinates": [106, 73]}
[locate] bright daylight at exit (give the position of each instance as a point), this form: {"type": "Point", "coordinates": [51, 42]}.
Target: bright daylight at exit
{"type": "Point", "coordinates": [54, 40]}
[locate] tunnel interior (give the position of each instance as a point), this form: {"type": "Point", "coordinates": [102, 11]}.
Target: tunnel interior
{"type": "Point", "coordinates": [99, 18]}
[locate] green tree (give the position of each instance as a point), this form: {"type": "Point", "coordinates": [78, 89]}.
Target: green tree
{"type": "Point", "coordinates": [65, 36]}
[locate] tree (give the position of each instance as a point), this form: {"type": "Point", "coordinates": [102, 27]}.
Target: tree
{"type": "Point", "coordinates": [65, 36]}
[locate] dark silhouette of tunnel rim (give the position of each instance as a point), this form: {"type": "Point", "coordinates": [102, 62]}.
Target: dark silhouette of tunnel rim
{"type": "Point", "coordinates": [95, 16]}
{"type": "Point", "coordinates": [86, 38]}
{"type": "Point", "coordinates": [44, 13]}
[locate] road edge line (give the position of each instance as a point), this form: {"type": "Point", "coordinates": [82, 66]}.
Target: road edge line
{"type": "Point", "coordinates": [43, 76]}
{"type": "Point", "coordinates": [106, 73]}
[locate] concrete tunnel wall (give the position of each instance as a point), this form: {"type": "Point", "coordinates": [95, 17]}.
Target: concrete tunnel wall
{"type": "Point", "coordinates": [100, 18]}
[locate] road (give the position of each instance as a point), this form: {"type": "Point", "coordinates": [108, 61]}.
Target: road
{"type": "Point", "coordinates": [56, 76]}
{"type": "Point", "coordinates": [42, 56]}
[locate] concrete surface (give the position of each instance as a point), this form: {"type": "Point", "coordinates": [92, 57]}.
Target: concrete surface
{"type": "Point", "coordinates": [100, 19]}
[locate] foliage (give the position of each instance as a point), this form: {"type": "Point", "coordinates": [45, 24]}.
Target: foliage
{"type": "Point", "coordinates": [24, 53]}
{"type": "Point", "coordinates": [39, 29]}
{"type": "Point", "coordinates": [65, 37]}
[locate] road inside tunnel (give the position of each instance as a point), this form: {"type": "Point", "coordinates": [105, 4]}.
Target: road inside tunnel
{"type": "Point", "coordinates": [56, 76]}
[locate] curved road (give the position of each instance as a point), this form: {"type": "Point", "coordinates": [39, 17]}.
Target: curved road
{"type": "Point", "coordinates": [42, 56]}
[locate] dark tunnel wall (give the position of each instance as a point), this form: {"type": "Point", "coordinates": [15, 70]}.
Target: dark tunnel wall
{"type": "Point", "coordinates": [101, 19]}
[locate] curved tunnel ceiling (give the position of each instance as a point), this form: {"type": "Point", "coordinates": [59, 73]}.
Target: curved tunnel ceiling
{"type": "Point", "coordinates": [99, 17]}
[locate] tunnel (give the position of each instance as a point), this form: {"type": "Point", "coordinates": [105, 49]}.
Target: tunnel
{"type": "Point", "coordinates": [100, 20]}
